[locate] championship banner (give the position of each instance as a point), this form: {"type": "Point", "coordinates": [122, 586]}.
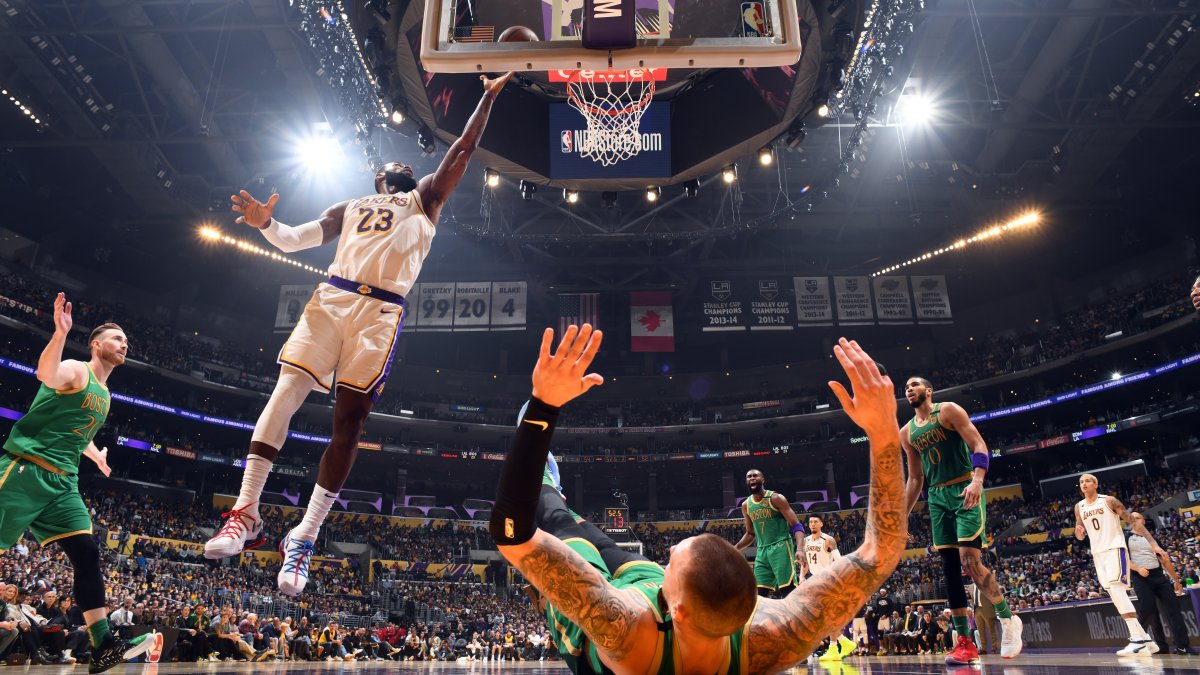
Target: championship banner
{"type": "Point", "coordinates": [932, 299]}
{"type": "Point", "coordinates": [813, 305]}
{"type": "Point", "coordinates": [434, 307]}
{"type": "Point", "coordinates": [291, 305]}
{"type": "Point", "coordinates": [722, 310]}
{"type": "Point", "coordinates": [770, 308]}
{"type": "Point", "coordinates": [892, 302]}
{"type": "Point", "coordinates": [853, 295]}
{"type": "Point", "coordinates": [508, 305]}
{"type": "Point", "coordinates": [651, 321]}
{"type": "Point", "coordinates": [472, 305]}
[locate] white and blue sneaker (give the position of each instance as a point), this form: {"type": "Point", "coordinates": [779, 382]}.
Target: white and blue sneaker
{"type": "Point", "coordinates": [296, 554]}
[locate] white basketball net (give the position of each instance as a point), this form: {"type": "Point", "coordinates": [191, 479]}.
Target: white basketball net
{"type": "Point", "coordinates": [613, 103]}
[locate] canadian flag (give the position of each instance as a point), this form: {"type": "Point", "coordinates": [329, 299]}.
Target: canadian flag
{"type": "Point", "coordinates": [652, 321]}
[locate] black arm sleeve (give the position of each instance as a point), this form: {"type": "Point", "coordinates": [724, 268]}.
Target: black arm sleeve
{"type": "Point", "coordinates": [521, 478]}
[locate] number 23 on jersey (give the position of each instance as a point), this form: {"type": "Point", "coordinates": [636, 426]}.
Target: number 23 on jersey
{"type": "Point", "coordinates": [374, 219]}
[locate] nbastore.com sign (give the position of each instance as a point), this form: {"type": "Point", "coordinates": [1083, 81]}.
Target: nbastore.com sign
{"type": "Point", "coordinates": [568, 133]}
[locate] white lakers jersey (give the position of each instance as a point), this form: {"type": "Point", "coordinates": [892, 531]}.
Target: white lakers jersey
{"type": "Point", "coordinates": [1103, 525]}
{"type": "Point", "coordinates": [820, 550]}
{"type": "Point", "coordinates": [384, 241]}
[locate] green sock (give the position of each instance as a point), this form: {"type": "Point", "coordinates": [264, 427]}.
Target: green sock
{"type": "Point", "coordinates": [962, 627]}
{"type": "Point", "coordinates": [98, 631]}
{"type": "Point", "coordinates": [1002, 609]}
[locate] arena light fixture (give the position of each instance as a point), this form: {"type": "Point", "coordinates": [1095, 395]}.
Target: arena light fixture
{"type": "Point", "coordinates": [571, 196]}
{"type": "Point", "coordinates": [320, 153]}
{"type": "Point", "coordinates": [915, 110]}
{"type": "Point", "coordinates": [652, 194]}
{"type": "Point", "coordinates": [213, 234]}
{"type": "Point", "coordinates": [823, 110]}
{"type": "Point", "coordinates": [1024, 221]}
{"type": "Point", "coordinates": [766, 156]}
{"type": "Point", "coordinates": [729, 173]}
{"type": "Point", "coordinates": [491, 177]}
{"type": "Point", "coordinates": [397, 116]}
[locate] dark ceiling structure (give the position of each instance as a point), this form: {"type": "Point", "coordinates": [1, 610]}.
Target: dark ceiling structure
{"type": "Point", "coordinates": [154, 111]}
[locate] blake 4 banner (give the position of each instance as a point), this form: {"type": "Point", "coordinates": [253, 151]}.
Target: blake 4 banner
{"type": "Point", "coordinates": [651, 321]}
{"type": "Point", "coordinates": [892, 302]}
{"type": "Point", "coordinates": [813, 304]}
{"type": "Point", "coordinates": [853, 295]}
{"type": "Point", "coordinates": [466, 306]}
{"type": "Point", "coordinates": [932, 299]}
{"type": "Point", "coordinates": [292, 299]}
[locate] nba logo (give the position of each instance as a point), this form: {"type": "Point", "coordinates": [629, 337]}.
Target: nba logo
{"type": "Point", "coordinates": [565, 137]}
{"type": "Point", "coordinates": [754, 23]}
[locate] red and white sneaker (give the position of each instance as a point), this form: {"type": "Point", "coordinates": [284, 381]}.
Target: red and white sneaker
{"type": "Point", "coordinates": [241, 532]}
{"type": "Point", "coordinates": [296, 554]}
{"type": "Point", "coordinates": [965, 653]}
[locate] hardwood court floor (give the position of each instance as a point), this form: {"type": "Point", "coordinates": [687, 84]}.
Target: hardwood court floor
{"type": "Point", "coordinates": [1026, 664]}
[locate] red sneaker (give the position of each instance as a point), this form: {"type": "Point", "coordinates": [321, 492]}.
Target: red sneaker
{"type": "Point", "coordinates": [964, 653]}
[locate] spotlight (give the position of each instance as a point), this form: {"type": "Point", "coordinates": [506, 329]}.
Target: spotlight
{"type": "Point", "coordinates": [916, 110]}
{"type": "Point", "coordinates": [571, 196]}
{"type": "Point", "coordinates": [426, 141]}
{"type": "Point", "coordinates": [691, 188]}
{"type": "Point", "coordinates": [527, 189]}
{"type": "Point", "coordinates": [397, 116]}
{"type": "Point", "coordinates": [652, 194]}
{"type": "Point", "coordinates": [766, 156]}
{"type": "Point", "coordinates": [729, 173]}
{"type": "Point", "coordinates": [491, 177]}
{"type": "Point", "coordinates": [320, 152]}
{"type": "Point", "coordinates": [823, 110]}
{"type": "Point", "coordinates": [210, 233]}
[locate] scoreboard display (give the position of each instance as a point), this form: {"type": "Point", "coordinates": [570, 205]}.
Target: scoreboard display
{"type": "Point", "coordinates": [616, 518]}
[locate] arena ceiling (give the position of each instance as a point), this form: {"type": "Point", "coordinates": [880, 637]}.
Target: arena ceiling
{"type": "Point", "coordinates": [150, 112]}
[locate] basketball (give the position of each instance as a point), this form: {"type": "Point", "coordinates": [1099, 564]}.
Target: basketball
{"type": "Point", "coordinates": [518, 34]}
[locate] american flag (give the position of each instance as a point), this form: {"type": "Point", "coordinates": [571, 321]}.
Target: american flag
{"type": "Point", "coordinates": [578, 309]}
{"type": "Point", "coordinates": [474, 34]}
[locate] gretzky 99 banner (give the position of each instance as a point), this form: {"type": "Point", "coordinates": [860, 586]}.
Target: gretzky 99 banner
{"type": "Point", "coordinates": [466, 306]}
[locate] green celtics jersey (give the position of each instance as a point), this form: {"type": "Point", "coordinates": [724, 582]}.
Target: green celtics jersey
{"type": "Point", "coordinates": [944, 454]}
{"type": "Point", "coordinates": [60, 424]}
{"type": "Point", "coordinates": [770, 527]}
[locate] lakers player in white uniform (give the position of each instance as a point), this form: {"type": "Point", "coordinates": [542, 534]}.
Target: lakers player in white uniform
{"type": "Point", "coordinates": [820, 550]}
{"type": "Point", "coordinates": [347, 336]}
{"type": "Point", "coordinates": [1098, 518]}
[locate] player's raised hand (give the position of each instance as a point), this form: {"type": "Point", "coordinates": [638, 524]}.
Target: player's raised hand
{"type": "Point", "coordinates": [62, 315]}
{"type": "Point", "coordinates": [101, 460]}
{"type": "Point", "coordinates": [254, 213]}
{"type": "Point", "coordinates": [493, 86]}
{"type": "Point", "coordinates": [872, 405]}
{"type": "Point", "coordinates": [562, 376]}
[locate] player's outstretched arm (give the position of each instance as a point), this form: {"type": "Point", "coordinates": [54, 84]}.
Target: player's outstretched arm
{"type": "Point", "coordinates": [608, 616]}
{"type": "Point", "coordinates": [436, 189]}
{"type": "Point", "coordinates": [916, 474]}
{"type": "Point", "coordinates": [288, 238]}
{"type": "Point", "coordinates": [785, 631]}
{"type": "Point", "coordinates": [1136, 522]}
{"type": "Point", "coordinates": [52, 370]}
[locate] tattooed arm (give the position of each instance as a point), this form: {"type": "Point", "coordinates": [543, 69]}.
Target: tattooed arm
{"type": "Point", "coordinates": [1136, 522]}
{"type": "Point", "coordinates": [613, 619]}
{"type": "Point", "coordinates": [783, 632]}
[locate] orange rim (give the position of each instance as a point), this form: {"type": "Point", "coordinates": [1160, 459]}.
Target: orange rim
{"type": "Point", "coordinates": [575, 79]}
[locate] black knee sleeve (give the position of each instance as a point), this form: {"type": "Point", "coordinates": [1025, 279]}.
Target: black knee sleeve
{"type": "Point", "coordinates": [952, 567]}
{"type": "Point", "coordinates": [84, 555]}
{"type": "Point", "coordinates": [514, 515]}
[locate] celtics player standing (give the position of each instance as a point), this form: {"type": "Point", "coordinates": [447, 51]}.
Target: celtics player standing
{"type": "Point", "coordinates": [39, 482]}
{"type": "Point", "coordinates": [771, 523]}
{"type": "Point", "coordinates": [954, 459]}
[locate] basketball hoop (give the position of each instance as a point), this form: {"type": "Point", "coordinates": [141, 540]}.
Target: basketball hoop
{"type": "Point", "coordinates": [613, 103]}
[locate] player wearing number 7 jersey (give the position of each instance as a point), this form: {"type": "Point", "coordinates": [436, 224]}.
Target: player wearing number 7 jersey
{"type": "Point", "coordinates": [346, 338]}
{"type": "Point", "coordinates": [39, 472]}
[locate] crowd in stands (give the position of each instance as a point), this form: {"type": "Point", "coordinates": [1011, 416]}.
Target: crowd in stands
{"type": "Point", "coordinates": [994, 354]}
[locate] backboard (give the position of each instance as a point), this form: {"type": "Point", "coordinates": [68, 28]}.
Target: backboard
{"type": "Point", "coordinates": [458, 36]}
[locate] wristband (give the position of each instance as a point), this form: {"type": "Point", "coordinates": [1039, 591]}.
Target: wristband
{"type": "Point", "coordinates": [797, 528]}
{"type": "Point", "coordinates": [980, 460]}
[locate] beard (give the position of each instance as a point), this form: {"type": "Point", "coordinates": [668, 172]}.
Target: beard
{"type": "Point", "coordinates": [395, 182]}
{"type": "Point", "coordinates": [757, 490]}
{"type": "Point", "coordinates": [919, 400]}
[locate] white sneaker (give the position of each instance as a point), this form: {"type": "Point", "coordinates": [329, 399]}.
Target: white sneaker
{"type": "Point", "coordinates": [242, 531]}
{"type": "Point", "coordinates": [1139, 648]}
{"type": "Point", "coordinates": [1010, 640]}
{"type": "Point", "coordinates": [296, 554]}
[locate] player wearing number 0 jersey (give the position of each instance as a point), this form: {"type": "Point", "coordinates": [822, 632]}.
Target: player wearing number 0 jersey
{"type": "Point", "coordinates": [346, 338]}
{"type": "Point", "coordinates": [1098, 519]}
{"type": "Point", "coordinates": [817, 556]}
